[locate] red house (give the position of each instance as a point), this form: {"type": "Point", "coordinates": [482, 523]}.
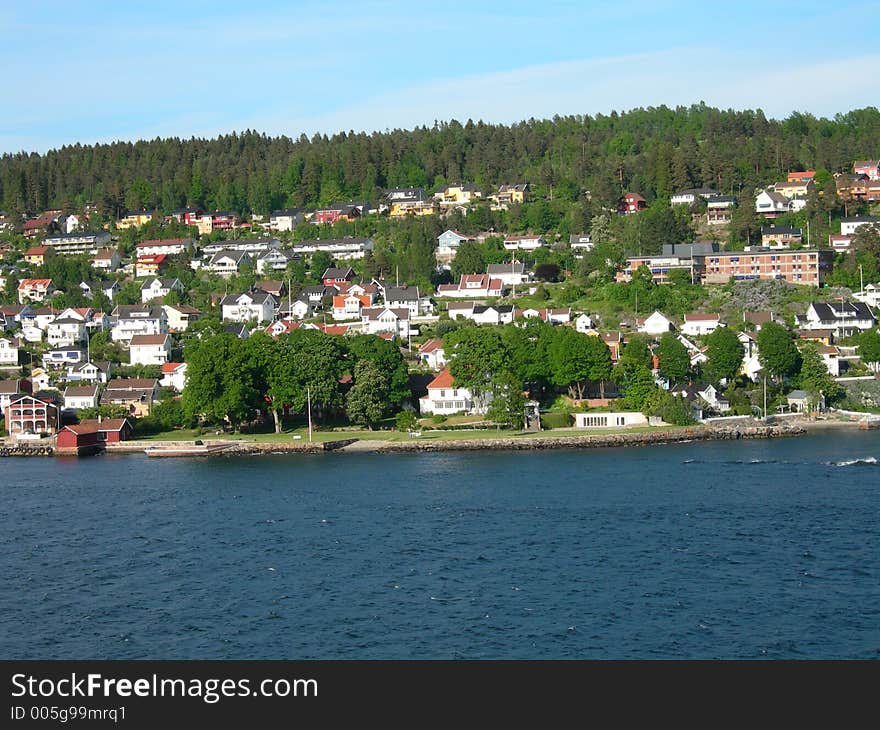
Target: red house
{"type": "Point", "coordinates": [110, 430]}
{"type": "Point", "coordinates": [631, 203]}
{"type": "Point", "coordinates": [31, 415]}
{"type": "Point", "coordinates": [77, 440]}
{"type": "Point", "coordinates": [333, 276]}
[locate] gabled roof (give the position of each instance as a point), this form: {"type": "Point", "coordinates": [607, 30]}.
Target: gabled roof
{"type": "Point", "coordinates": [82, 391]}
{"type": "Point", "coordinates": [124, 384]}
{"type": "Point", "coordinates": [402, 293]}
{"type": "Point", "coordinates": [171, 367]}
{"type": "Point", "coordinates": [337, 273]}
{"type": "Point", "coordinates": [148, 340]}
{"type": "Point", "coordinates": [105, 424]}
{"type": "Point", "coordinates": [831, 311]}
{"type": "Point", "coordinates": [257, 296]}
{"type": "Point", "coordinates": [431, 345]}
{"type": "Point", "coordinates": [443, 380]}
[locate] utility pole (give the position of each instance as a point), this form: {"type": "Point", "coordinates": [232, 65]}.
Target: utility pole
{"type": "Point", "coordinates": [861, 281]}
{"type": "Point", "coordinates": [765, 397]}
{"type": "Point", "coordinates": [309, 409]}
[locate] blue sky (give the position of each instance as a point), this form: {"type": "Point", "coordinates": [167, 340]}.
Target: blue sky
{"type": "Point", "coordinates": [95, 71]}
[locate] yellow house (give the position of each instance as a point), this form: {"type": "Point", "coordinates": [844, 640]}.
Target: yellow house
{"type": "Point", "coordinates": [794, 188]}
{"type": "Point", "coordinates": [457, 195]}
{"type": "Point", "coordinates": [401, 208]}
{"type": "Point", "coordinates": [37, 255]}
{"type": "Point", "coordinates": [509, 195]}
{"type": "Point", "coordinates": [133, 219]}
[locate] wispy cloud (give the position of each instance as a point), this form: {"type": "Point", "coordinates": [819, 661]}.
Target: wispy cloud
{"type": "Point", "coordinates": [680, 76]}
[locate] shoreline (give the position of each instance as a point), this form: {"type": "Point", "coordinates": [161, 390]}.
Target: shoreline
{"type": "Point", "coordinates": [519, 443]}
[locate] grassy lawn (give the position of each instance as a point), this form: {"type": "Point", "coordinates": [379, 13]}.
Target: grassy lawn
{"type": "Point", "coordinates": [383, 435]}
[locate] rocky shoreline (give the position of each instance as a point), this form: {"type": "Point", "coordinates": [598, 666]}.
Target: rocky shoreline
{"type": "Point", "coordinates": [521, 443]}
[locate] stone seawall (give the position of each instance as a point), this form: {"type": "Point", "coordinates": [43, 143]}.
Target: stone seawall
{"type": "Point", "coordinates": [522, 443]}
{"type": "Point", "coordinates": [610, 440]}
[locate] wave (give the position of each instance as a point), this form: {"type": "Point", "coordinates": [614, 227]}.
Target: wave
{"type": "Point", "coordinates": [865, 461]}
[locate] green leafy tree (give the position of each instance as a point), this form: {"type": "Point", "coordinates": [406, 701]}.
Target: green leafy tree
{"type": "Point", "coordinates": [639, 389]}
{"type": "Point", "coordinates": [406, 421]}
{"type": "Point", "coordinates": [367, 401]}
{"type": "Point", "coordinates": [468, 260]}
{"type": "Point", "coordinates": [387, 358]}
{"type": "Point", "coordinates": [777, 351]}
{"type": "Point", "coordinates": [815, 378]}
{"type": "Point", "coordinates": [507, 407]}
{"type": "Point", "coordinates": [869, 349]}
{"type": "Point", "coordinates": [725, 353]}
{"type": "Point", "coordinates": [675, 362]}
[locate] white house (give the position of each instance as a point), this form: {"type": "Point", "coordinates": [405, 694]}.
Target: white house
{"type": "Point", "coordinates": [295, 309]}
{"type": "Point", "coordinates": [149, 349]}
{"type": "Point", "coordinates": [580, 242]}
{"type": "Point", "coordinates": [844, 319]}
{"type": "Point", "coordinates": [583, 323]}
{"type": "Point", "coordinates": [444, 398]}
{"type": "Point", "coordinates": [180, 316]}
{"type": "Point", "coordinates": [77, 397]}
{"type": "Point", "coordinates": [252, 306]}
{"type": "Point", "coordinates": [346, 307]}
{"type": "Point", "coordinates": [751, 364]}
{"type": "Point", "coordinates": [62, 357]}
{"type": "Point", "coordinates": [168, 247]}
{"type": "Point", "coordinates": [870, 295]}
{"type": "Point", "coordinates": [96, 372]}
{"type": "Point", "coordinates": [137, 319]}
{"type": "Point", "coordinates": [227, 263]}
{"type": "Point", "coordinates": [432, 354]}
{"type": "Point", "coordinates": [156, 288]}
{"type": "Point", "coordinates": [251, 246]}
{"type": "Point", "coordinates": [698, 324]}
{"type": "Point", "coordinates": [656, 324]}
{"type": "Point", "coordinates": [550, 316]}
{"type": "Point", "coordinates": [771, 204]}
{"type": "Point", "coordinates": [173, 375]}
{"type": "Point", "coordinates": [107, 259]}
{"type": "Point", "coordinates": [614, 419]}
{"type": "Point", "coordinates": [66, 332]}
{"type": "Point", "coordinates": [686, 197]}
{"type": "Point", "coordinates": [512, 274]}
{"type": "Point", "coordinates": [527, 242]}
{"type": "Point", "coordinates": [9, 347]}
{"type": "Point", "coordinates": [848, 226]}
{"type": "Point", "coordinates": [348, 248]}
{"type": "Point", "coordinates": [380, 320]}
{"type": "Point", "coordinates": [274, 260]}
{"type": "Point", "coordinates": [472, 285]}
{"type": "Point", "coordinates": [407, 297]}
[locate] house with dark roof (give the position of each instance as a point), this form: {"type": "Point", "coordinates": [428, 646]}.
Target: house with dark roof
{"type": "Point", "coordinates": [335, 275]}
{"type": "Point", "coordinates": [250, 306]}
{"type": "Point", "coordinates": [156, 288]}
{"type": "Point", "coordinates": [134, 394]}
{"type": "Point", "coordinates": [844, 319]}
{"type": "Point", "coordinates": [780, 237]}
{"type": "Point", "coordinates": [77, 397]}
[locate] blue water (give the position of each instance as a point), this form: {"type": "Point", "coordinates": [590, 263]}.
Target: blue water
{"type": "Point", "coordinates": [727, 549]}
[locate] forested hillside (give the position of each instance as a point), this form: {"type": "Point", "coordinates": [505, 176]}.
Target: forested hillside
{"type": "Point", "coordinates": [652, 151]}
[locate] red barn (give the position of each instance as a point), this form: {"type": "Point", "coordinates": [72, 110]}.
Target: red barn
{"type": "Point", "coordinates": [110, 430]}
{"type": "Point", "coordinates": [76, 440]}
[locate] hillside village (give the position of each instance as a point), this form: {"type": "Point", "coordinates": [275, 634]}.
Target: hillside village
{"type": "Point", "coordinates": [652, 314]}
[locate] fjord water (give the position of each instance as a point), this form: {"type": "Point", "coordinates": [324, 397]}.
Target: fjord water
{"type": "Point", "coordinates": [728, 549]}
